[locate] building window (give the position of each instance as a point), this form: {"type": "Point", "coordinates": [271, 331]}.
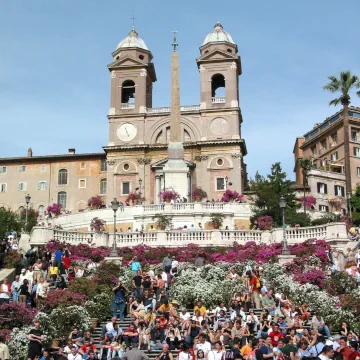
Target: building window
{"type": "Point", "coordinates": [21, 209]}
{"type": "Point", "coordinates": [323, 145]}
{"type": "Point", "coordinates": [41, 210]}
{"type": "Point", "coordinates": [22, 186]}
{"type": "Point", "coordinates": [83, 165]}
{"type": "Point", "coordinates": [125, 190]}
{"type": "Point", "coordinates": [354, 135]}
{"type": "Point", "coordinates": [339, 190]}
{"type": "Point", "coordinates": [62, 199]}
{"type": "Point", "coordinates": [358, 171]}
{"type": "Point", "coordinates": [323, 208]}
{"type": "Point", "coordinates": [43, 168]}
{"type": "Point", "coordinates": [322, 188]}
{"type": "Point", "coordinates": [218, 86]}
{"type": "Point", "coordinates": [22, 168]}
{"type": "Point", "coordinates": [2, 188]}
{"type": "Point", "coordinates": [220, 162]}
{"type": "Point", "coordinates": [103, 186]}
{"type": "Point", "coordinates": [63, 177]}
{"type": "Point", "coordinates": [220, 184]}
{"type": "Point", "coordinates": [82, 183]}
{"type": "Point", "coordinates": [42, 185]}
{"type": "Point", "coordinates": [314, 151]}
{"type": "Point", "coordinates": [334, 156]}
{"type": "Point", "coordinates": [103, 165]}
{"type": "Point", "coordinates": [126, 167]}
{"type": "Point", "coordinates": [356, 151]}
{"type": "Point", "coordinates": [334, 139]}
{"type": "Point", "coordinates": [2, 169]}
{"type": "Point", "coordinates": [128, 92]}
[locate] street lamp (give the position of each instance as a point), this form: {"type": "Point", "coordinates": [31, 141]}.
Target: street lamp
{"type": "Point", "coordinates": [139, 202]}
{"type": "Point", "coordinates": [115, 206]}
{"type": "Point", "coordinates": [27, 200]}
{"type": "Point", "coordinates": [226, 181]}
{"type": "Point", "coordinates": [285, 250]}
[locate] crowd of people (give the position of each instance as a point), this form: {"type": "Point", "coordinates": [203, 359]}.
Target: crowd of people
{"type": "Point", "coordinates": [260, 323]}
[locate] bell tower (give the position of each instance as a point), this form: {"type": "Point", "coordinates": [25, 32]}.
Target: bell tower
{"type": "Point", "coordinates": [132, 75]}
{"type": "Point", "coordinates": [219, 66]}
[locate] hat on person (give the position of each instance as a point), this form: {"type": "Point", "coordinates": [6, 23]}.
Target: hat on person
{"type": "Point", "coordinates": [174, 302]}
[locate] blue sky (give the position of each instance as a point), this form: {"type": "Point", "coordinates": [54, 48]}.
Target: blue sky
{"type": "Point", "coordinates": [54, 84]}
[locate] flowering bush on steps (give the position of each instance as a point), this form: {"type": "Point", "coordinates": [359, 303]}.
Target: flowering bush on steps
{"type": "Point", "coordinates": [309, 201]}
{"type": "Point", "coordinates": [265, 222]}
{"type": "Point", "coordinates": [97, 224]}
{"type": "Point", "coordinates": [199, 194]}
{"type": "Point", "coordinates": [16, 315]}
{"type": "Point", "coordinates": [99, 306]}
{"type": "Point", "coordinates": [232, 196]}
{"type": "Point", "coordinates": [58, 299]}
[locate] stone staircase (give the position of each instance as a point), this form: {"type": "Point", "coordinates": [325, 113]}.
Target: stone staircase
{"type": "Point", "coordinates": [96, 332]}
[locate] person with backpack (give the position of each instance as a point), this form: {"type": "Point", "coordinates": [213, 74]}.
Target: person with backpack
{"type": "Point", "coordinates": [255, 287]}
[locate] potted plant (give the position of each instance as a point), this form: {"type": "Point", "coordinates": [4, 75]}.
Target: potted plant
{"type": "Point", "coordinates": [163, 222]}
{"type": "Point", "coordinates": [96, 202]}
{"type": "Point", "coordinates": [232, 196]}
{"type": "Point", "coordinates": [97, 225]}
{"type": "Point", "coordinates": [169, 194]}
{"type": "Point", "coordinates": [133, 197]}
{"type": "Point", "coordinates": [199, 194]}
{"type": "Point", "coordinates": [264, 222]}
{"type": "Point", "coordinates": [54, 209]}
{"type": "Point", "coordinates": [216, 220]}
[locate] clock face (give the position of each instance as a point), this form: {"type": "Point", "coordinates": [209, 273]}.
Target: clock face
{"type": "Point", "coordinates": [126, 132]}
{"type": "Point", "coordinates": [219, 126]}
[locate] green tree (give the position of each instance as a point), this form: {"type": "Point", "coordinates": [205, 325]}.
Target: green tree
{"type": "Point", "coordinates": [31, 219]}
{"type": "Point", "coordinates": [9, 221]}
{"type": "Point", "coordinates": [355, 204]}
{"type": "Point", "coordinates": [267, 194]}
{"type": "Point", "coordinates": [343, 85]}
{"type": "Point", "coordinates": [306, 165]}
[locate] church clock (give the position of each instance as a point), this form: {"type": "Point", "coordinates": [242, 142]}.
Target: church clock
{"type": "Point", "coordinates": [126, 132]}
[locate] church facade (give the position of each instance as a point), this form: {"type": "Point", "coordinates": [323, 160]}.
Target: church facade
{"type": "Point", "coordinates": [137, 149]}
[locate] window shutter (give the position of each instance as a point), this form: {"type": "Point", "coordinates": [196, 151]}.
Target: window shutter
{"type": "Point", "coordinates": [45, 185]}
{"type": "Point", "coordinates": [19, 186]}
{"type": "Point", "coordinates": [325, 188]}
{"type": "Point", "coordinates": [342, 191]}
{"type": "Point", "coordinates": [318, 187]}
{"type": "Point", "coordinates": [335, 190]}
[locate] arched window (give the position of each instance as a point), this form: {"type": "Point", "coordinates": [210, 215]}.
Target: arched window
{"type": "Point", "coordinates": [21, 209]}
{"type": "Point", "coordinates": [128, 92]}
{"type": "Point", "coordinates": [218, 86]}
{"type": "Point", "coordinates": [187, 137]}
{"type": "Point", "coordinates": [103, 186]}
{"type": "Point", "coordinates": [62, 199]}
{"type": "Point", "coordinates": [159, 138]}
{"type": "Point", "coordinates": [41, 210]}
{"type": "Point", "coordinates": [63, 177]}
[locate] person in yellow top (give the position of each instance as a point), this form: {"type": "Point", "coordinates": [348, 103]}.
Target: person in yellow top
{"type": "Point", "coordinates": [247, 349]}
{"type": "Point", "coordinates": [53, 270]}
{"type": "Point", "coordinates": [201, 308]}
{"type": "Point", "coordinates": [165, 307]}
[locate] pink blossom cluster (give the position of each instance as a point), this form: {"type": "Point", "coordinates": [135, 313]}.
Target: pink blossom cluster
{"type": "Point", "coordinates": [54, 209]}
{"type": "Point", "coordinates": [16, 315]}
{"type": "Point", "coordinates": [169, 194]}
{"type": "Point", "coordinates": [96, 202]}
{"type": "Point", "coordinates": [264, 222]}
{"type": "Point", "coordinates": [97, 224]}
{"type": "Point", "coordinates": [232, 196]}
{"type": "Point", "coordinates": [309, 201]}
{"type": "Point", "coordinates": [313, 276]}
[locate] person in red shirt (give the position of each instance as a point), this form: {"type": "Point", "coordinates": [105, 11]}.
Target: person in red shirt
{"type": "Point", "coordinates": [131, 335]}
{"type": "Point", "coordinates": [66, 260]}
{"type": "Point", "coordinates": [163, 321]}
{"type": "Point", "coordinates": [255, 289]}
{"type": "Point", "coordinates": [275, 335]}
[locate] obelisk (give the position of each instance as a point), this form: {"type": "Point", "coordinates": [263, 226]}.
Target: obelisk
{"type": "Point", "coordinates": [176, 169]}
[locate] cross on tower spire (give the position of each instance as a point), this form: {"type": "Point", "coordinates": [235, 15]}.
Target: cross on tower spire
{"type": "Point", "coordinates": [133, 18]}
{"type": "Point", "coordinates": [174, 44]}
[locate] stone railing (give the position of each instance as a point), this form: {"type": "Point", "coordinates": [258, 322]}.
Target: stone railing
{"type": "Point", "coordinates": [127, 106]}
{"type": "Point", "coordinates": [218, 100]}
{"type": "Point", "coordinates": [165, 109]}
{"type": "Point", "coordinates": [334, 233]}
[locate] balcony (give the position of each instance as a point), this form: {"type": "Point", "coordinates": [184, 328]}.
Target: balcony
{"type": "Point", "coordinates": [166, 109]}
{"type": "Point", "coordinates": [333, 144]}
{"type": "Point", "coordinates": [218, 100]}
{"type": "Point", "coordinates": [355, 139]}
{"type": "Point", "coordinates": [127, 106]}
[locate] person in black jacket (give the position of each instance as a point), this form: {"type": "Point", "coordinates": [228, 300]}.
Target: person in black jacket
{"type": "Point", "coordinates": [157, 335]}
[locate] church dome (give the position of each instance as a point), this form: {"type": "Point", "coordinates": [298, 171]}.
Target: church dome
{"type": "Point", "coordinates": [132, 41]}
{"type": "Point", "coordinates": [218, 35]}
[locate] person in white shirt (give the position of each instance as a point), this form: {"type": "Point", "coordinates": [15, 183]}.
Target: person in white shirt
{"type": "Point", "coordinates": [197, 317]}
{"type": "Point", "coordinates": [184, 319]}
{"type": "Point", "coordinates": [217, 353]}
{"type": "Point", "coordinates": [202, 344]}
{"type": "Point", "coordinates": [220, 307]}
{"type": "Point", "coordinates": [42, 289]}
{"type": "Point", "coordinates": [74, 354]}
{"type": "Point", "coordinates": [174, 266]}
{"type": "Point", "coordinates": [253, 321]}
{"type": "Point", "coordinates": [357, 257]}
{"type": "Point", "coordinates": [4, 292]}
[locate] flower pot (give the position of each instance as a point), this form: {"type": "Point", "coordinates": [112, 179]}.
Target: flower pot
{"type": "Point", "coordinates": [55, 343]}
{"type": "Point", "coordinates": [167, 201]}
{"type": "Point", "coordinates": [94, 322]}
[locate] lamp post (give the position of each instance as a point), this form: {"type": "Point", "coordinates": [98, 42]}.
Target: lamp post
{"type": "Point", "coordinates": [285, 250]}
{"type": "Point", "coordinates": [27, 200]}
{"type": "Point", "coordinates": [140, 193]}
{"type": "Point", "coordinates": [226, 182]}
{"type": "Point", "coordinates": [115, 206]}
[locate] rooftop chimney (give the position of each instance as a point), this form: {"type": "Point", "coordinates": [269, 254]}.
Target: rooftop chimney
{"type": "Point", "coordinates": [71, 151]}
{"type": "Point", "coordinates": [29, 152]}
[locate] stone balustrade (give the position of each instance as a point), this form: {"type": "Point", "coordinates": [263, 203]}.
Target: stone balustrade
{"type": "Point", "coordinates": [334, 233]}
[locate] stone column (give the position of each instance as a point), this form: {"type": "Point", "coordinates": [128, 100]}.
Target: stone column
{"type": "Point", "coordinates": [157, 189]}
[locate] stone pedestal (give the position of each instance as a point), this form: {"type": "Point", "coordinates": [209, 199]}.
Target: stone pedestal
{"type": "Point", "coordinates": [284, 259]}
{"type": "Point", "coordinates": [117, 260]}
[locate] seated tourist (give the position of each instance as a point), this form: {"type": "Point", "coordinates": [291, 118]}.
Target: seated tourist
{"type": "Point", "coordinates": [131, 336]}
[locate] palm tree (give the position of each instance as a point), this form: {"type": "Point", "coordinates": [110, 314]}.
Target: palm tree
{"type": "Point", "coordinates": [343, 85]}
